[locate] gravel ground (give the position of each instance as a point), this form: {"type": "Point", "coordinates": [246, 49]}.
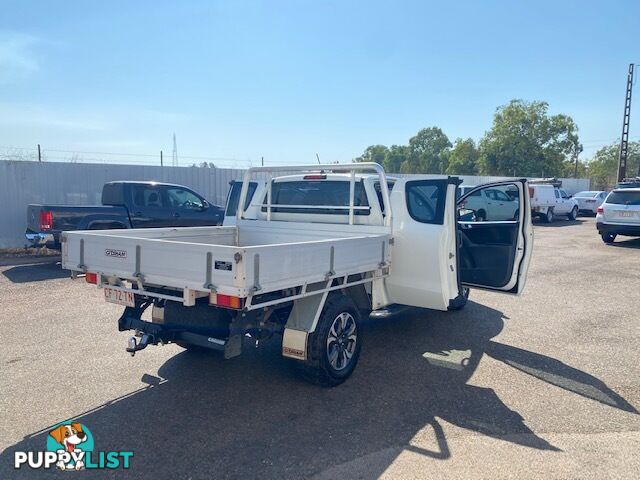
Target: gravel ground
{"type": "Point", "coordinates": [541, 386]}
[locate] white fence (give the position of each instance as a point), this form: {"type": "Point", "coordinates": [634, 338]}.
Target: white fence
{"type": "Point", "coordinates": [22, 183]}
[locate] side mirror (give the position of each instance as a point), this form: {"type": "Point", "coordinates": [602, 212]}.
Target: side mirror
{"type": "Point", "coordinates": [205, 205]}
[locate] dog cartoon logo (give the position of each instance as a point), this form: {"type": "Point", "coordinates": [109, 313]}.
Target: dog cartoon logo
{"type": "Point", "coordinates": [70, 446]}
{"type": "Point", "coordinates": [70, 437]}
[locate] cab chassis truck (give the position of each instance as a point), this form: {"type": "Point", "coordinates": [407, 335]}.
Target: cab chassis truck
{"type": "Point", "coordinates": [302, 267]}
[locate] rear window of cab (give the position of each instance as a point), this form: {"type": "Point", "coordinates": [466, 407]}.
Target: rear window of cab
{"type": "Point", "coordinates": [292, 197]}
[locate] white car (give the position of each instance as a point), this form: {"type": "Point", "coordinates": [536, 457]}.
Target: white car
{"type": "Point", "coordinates": [589, 201]}
{"type": "Point", "coordinates": [619, 214]}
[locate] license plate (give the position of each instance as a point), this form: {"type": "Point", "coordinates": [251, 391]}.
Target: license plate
{"type": "Point", "coordinates": [118, 296]}
{"type": "Point", "coordinates": [626, 214]}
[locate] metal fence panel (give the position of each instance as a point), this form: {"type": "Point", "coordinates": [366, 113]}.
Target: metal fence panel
{"type": "Point", "coordinates": [23, 182]}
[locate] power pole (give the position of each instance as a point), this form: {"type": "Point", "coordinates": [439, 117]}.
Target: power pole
{"type": "Point", "coordinates": [262, 161]}
{"type": "Point", "coordinates": [161, 163]}
{"type": "Point", "coordinates": [39, 154]}
{"type": "Point", "coordinates": [174, 155]}
{"type": "Point", "coordinates": [624, 140]}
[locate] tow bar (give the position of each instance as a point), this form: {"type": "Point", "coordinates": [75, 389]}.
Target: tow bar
{"type": "Point", "coordinates": [134, 346]}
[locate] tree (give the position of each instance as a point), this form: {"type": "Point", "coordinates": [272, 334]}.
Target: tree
{"type": "Point", "coordinates": [463, 158]}
{"type": "Point", "coordinates": [525, 140]}
{"type": "Point", "coordinates": [395, 157]}
{"type": "Point", "coordinates": [428, 152]}
{"type": "Point", "coordinates": [373, 153]}
{"type": "Point", "coordinates": [603, 167]}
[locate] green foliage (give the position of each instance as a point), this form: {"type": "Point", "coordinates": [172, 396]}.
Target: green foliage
{"type": "Point", "coordinates": [463, 158]}
{"type": "Point", "coordinates": [373, 153]}
{"type": "Point", "coordinates": [603, 167]}
{"type": "Point", "coordinates": [428, 152]}
{"type": "Point", "coordinates": [525, 140]}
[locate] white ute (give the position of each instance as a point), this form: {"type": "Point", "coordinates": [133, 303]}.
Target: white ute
{"type": "Point", "coordinates": [547, 202]}
{"type": "Point", "coordinates": [307, 256]}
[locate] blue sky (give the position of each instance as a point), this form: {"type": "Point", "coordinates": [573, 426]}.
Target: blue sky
{"type": "Point", "coordinates": [237, 80]}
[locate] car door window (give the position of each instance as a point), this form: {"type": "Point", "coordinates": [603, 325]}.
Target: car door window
{"type": "Point", "coordinates": [426, 200]}
{"type": "Point", "coordinates": [181, 198]}
{"type": "Point", "coordinates": [563, 194]}
{"type": "Point", "coordinates": [147, 196]}
{"type": "Point", "coordinates": [557, 193]}
{"type": "Point", "coordinates": [504, 208]}
{"type": "Point", "coordinates": [501, 196]}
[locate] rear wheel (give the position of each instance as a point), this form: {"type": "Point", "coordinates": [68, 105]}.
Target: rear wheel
{"type": "Point", "coordinates": [334, 347]}
{"type": "Point", "coordinates": [548, 218]}
{"type": "Point", "coordinates": [574, 213]}
{"type": "Point", "coordinates": [608, 237]}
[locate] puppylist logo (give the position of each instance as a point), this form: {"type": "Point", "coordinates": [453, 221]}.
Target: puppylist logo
{"type": "Point", "coordinates": [70, 447]}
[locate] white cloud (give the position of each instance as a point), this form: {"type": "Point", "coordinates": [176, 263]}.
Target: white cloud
{"type": "Point", "coordinates": [17, 58]}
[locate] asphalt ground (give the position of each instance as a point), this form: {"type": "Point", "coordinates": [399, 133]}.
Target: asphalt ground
{"type": "Point", "coordinates": [545, 385]}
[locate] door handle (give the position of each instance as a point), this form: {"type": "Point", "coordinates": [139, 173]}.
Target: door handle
{"type": "Point", "coordinates": [176, 215]}
{"type": "Point", "coordinates": [137, 214]}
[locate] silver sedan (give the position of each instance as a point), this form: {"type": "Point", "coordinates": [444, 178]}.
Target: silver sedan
{"type": "Point", "coordinates": [589, 201]}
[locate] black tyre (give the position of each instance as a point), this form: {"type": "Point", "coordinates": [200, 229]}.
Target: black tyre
{"type": "Point", "coordinates": [548, 217]}
{"type": "Point", "coordinates": [460, 304]}
{"type": "Point", "coordinates": [608, 237]}
{"type": "Point", "coordinates": [334, 347]}
{"type": "Point", "coordinates": [574, 213]}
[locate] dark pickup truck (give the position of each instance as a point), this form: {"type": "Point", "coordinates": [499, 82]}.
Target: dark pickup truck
{"type": "Point", "coordinates": [124, 205]}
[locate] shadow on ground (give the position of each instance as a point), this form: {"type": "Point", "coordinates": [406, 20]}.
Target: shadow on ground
{"type": "Point", "coordinates": [252, 416]}
{"type": "Point", "coordinates": [626, 242]}
{"type": "Point", "coordinates": [36, 272]}
{"type": "Point", "coordinates": [560, 221]}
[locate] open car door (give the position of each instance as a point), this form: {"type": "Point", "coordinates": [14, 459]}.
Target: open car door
{"type": "Point", "coordinates": [495, 236]}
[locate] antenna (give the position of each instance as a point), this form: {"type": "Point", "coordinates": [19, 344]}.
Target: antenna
{"type": "Point", "coordinates": [624, 140]}
{"type": "Point", "coordinates": [174, 155]}
{"type": "Point", "coordinates": [318, 157]}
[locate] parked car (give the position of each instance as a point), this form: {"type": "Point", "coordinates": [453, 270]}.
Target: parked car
{"type": "Point", "coordinates": [548, 201]}
{"type": "Point", "coordinates": [306, 258]}
{"type": "Point", "coordinates": [124, 205]}
{"type": "Point", "coordinates": [619, 214]}
{"type": "Point", "coordinates": [589, 201]}
{"type": "Point", "coordinates": [633, 182]}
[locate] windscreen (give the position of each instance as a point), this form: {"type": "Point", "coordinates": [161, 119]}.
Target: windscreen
{"type": "Point", "coordinates": [624, 198]}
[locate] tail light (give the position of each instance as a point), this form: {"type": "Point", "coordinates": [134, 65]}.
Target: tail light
{"type": "Point", "coordinates": [46, 220]}
{"type": "Point", "coordinates": [530, 192]}
{"type": "Point", "coordinates": [600, 210]}
{"type": "Point", "coordinates": [226, 301]}
{"type": "Point", "coordinates": [315, 177]}
{"type": "Point", "coordinates": [91, 278]}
